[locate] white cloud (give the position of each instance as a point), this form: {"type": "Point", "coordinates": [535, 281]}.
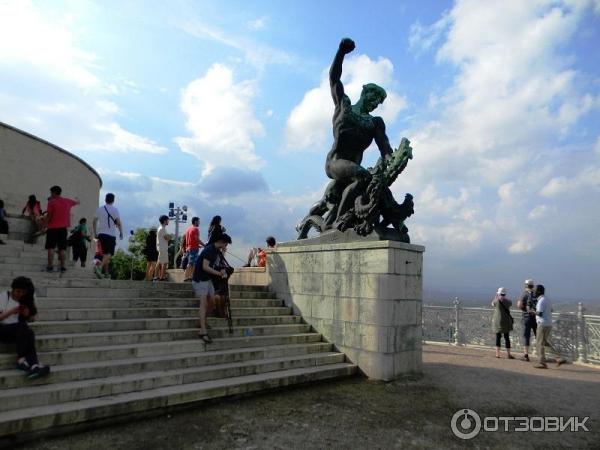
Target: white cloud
{"type": "Point", "coordinates": [221, 119]}
{"type": "Point", "coordinates": [422, 38]}
{"type": "Point", "coordinates": [514, 98]}
{"type": "Point", "coordinates": [597, 146]}
{"type": "Point", "coordinates": [256, 53]}
{"type": "Point", "coordinates": [309, 123]}
{"type": "Point", "coordinates": [257, 24]}
{"type": "Point", "coordinates": [69, 104]}
{"type": "Point", "coordinates": [522, 245]}
{"type": "Point", "coordinates": [539, 212]}
{"type": "Point", "coordinates": [120, 140]}
{"type": "Point", "coordinates": [27, 37]}
{"type": "Point", "coordinates": [584, 182]}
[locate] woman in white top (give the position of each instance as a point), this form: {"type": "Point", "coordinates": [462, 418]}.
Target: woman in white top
{"type": "Point", "coordinates": [16, 309]}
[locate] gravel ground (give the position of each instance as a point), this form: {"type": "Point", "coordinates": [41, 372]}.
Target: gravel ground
{"type": "Point", "coordinates": [358, 414]}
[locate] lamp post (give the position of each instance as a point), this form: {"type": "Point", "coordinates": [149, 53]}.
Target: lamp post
{"type": "Point", "coordinates": [131, 254]}
{"type": "Point", "coordinates": [179, 215]}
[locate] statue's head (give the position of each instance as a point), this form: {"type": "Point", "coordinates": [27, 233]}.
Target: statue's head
{"type": "Point", "coordinates": [372, 96]}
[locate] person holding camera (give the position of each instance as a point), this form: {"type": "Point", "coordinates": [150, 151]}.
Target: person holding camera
{"type": "Point", "coordinates": [202, 281]}
{"type": "Point", "coordinates": [527, 304]}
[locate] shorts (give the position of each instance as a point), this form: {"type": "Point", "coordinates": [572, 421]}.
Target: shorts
{"type": "Point", "coordinates": [108, 244]}
{"type": "Point", "coordinates": [193, 257]}
{"type": "Point", "coordinates": [56, 237]}
{"type": "Point", "coordinates": [203, 288]}
{"type": "Point", "coordinates": [163, 257]}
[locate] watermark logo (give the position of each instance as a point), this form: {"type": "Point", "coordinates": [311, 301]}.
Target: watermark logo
{"type": "Point", "coordinates": [466, 424]}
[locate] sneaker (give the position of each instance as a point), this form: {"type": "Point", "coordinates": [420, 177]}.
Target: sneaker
{"type": "Point", "coordinates": [49, 269]}
{"type": "Point", "coordinates": [107, 276]}
{"type": "Point", "coordinates": [2, 242]}
{"type": "Point", "coordinates": [37, 372]}
{"type": "Point", "coordinates": [560, 361]}
{"type": "Point", "coordinates": [98, 272]}
{"type": "Point", "coordinates": [23, 366]}
{"type": "Point", "coordinates": [63, 269]}
{"type": "Point", "coordinates": [541, 366]}
{"type": "Point", "coordinates": [206, 338]}
{"type": "Point", "coordinates": [525, 358]}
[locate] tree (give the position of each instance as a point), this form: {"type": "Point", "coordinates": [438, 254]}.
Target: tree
{"type": "Point", "coordinates": [121, 263]}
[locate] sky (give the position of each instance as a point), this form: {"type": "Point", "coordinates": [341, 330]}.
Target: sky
{"type": "Point", "coordinates": [224, 107]}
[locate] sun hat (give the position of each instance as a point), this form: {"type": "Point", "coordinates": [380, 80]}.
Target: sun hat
{"type": "Point", "coordinates": [529, 281]}
{"type": "Point", "coordinates": [501, 291]}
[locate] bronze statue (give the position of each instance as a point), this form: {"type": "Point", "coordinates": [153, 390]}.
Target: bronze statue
{"type": "Point", "coordinates": [357, 197]}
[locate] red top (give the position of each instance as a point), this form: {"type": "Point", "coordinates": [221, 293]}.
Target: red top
{"type": "Point", "coordinates": [262, 258]}
{"type": "Point", "coordinates": [59, 212]}
{"type": "Point", "coordinates": [36, 210]}
{"type": "Point", "coordinates": [192, 238]}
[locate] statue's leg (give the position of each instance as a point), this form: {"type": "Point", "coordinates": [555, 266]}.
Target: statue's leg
{"type": "Point", "coordinates": [360, 179]}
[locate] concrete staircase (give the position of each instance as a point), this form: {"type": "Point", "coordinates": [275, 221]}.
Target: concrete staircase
{"type": "Point", "coordinates": [130, 348]}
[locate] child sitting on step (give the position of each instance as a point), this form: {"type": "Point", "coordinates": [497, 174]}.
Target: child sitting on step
{"type": "Point", "coordinates": [16, 310]}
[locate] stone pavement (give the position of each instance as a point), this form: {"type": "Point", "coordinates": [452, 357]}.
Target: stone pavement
{"type": "Point", "coordinates": [356, 414]}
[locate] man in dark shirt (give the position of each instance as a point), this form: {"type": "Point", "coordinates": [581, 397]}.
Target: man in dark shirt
{"type": "Point", "coordinates": [204, 271]}
{"type": "Point", "coordinates": [527, 303]}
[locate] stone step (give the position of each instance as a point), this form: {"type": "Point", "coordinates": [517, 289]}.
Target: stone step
{"type": "Point", "coordinates": [10, 378]}
{"type": "Point", "coordinates": [166, 310]}
{"type": "Point", "coordinates": [170, 323]}
{"type": "Point", "coordinates": [116, 292]}
{"type": "Point", "coordinates": [28, 420]}
{"type": "Point", "coordinates": [39, 275]}
{"type": "Point", "coordinates": [20, 244]}
{"type": "Point", "coordinates": [29, 396]}
{"type": "Point", "coordinates": [84, 309]}
{"type": "Point", "coordinates": [113, 352]}
{"type": "Point", "coordinates": [73, 340]}
{"type": "Point", "coordinates": [37, 269]}
{"type": "Point", "coordinates": [39, 260]}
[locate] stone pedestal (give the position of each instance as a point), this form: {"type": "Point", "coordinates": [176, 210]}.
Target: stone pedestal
{"type": "Point", "coordinates": [365, 297]}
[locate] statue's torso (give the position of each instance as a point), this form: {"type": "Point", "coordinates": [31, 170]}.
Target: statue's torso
{"type": "Point", "coordinates": [353, 131]}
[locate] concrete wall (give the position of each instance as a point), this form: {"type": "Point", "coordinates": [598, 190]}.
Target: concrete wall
{"type": "Point", "coordinates": [30, 165]}
{"type": "Point", "coordinates": [364, 296]}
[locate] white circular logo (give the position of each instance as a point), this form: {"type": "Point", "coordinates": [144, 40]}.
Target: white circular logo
{"type": "Point", "coordinates": [465, 424]}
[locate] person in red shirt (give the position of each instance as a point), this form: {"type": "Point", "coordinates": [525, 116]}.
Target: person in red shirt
{"type": "Point", "coordinates": [192, 246]}
{"type": "Point", "coordinates": [58, 219]}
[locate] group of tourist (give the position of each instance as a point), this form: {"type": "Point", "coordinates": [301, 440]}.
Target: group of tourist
{"type": "Point", "coordinates": [536, 318]}
{"type": "Point", "coordinates": [204, 263]}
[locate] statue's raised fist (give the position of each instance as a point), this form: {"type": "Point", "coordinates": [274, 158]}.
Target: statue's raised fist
{"type": "Point", "coordinates": [347, 45]}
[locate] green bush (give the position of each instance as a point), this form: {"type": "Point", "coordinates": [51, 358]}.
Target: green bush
{"type": "Point", "coordinates": [121, 262]}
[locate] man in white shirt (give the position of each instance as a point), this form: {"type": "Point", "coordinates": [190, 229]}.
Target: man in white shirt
{"type": "Point", "coordinates": [543, 315]}
{"type": "Point", "coordinates": [105, 225]}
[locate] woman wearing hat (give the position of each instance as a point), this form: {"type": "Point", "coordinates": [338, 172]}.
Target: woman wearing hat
{"type": "Point", "coordinates": [502, 320]}
{"type": "Point", "coordinates": [151, 254]}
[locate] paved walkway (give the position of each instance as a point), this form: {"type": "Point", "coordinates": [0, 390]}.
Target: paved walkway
{"type": "Point", "coordinates": [413, 412]}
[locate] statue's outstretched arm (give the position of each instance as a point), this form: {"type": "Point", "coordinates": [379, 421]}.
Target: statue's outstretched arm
{"type": "Point", "coordinates": [335, 72]}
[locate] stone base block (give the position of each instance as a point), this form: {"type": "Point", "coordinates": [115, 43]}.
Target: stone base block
{"type": "Point", "coordinates": [363, 296]}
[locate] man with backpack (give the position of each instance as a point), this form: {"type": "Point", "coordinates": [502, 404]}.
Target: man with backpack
{"type": "Point", "coordinates": [105, 225]}
{"type": "Point", "coordinates": [527, 303]}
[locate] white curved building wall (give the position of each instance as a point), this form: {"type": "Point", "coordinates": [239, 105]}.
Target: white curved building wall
{"type": "Point", "coordinates": [30, 165]}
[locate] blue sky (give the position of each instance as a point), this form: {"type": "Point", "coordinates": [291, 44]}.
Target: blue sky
{"type": "Point", "coordinates": [224, 106]}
